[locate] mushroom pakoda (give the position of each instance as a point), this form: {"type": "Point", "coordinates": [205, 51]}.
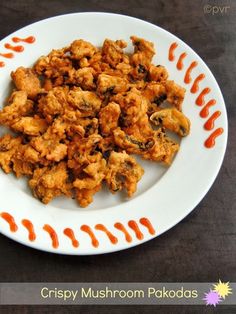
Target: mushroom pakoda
{"type": "Point", "coordinates": [81, 111]}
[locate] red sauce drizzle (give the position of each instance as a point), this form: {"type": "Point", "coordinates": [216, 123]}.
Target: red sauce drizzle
{"type": "Point", "coordinates": [29, 226]}
{"type": "Point", "coordinates": [7, 55]}
{"type": "Point", "coordinates": [121, 227]}
{"type": "Point", "coordinates": [187, 78]}
{"type": "Point", "coordinates": [200, 99]}
{"type": "Point", "coordinates": [197, 80]}
{"type": "Point", "coordinates": [210, 142]}
{"type": "Point", "coordinates": [180, 64]}
{"type": "Point", "coordinates": [133, 225]}
{"type": "Point", "coordinates": [111, 237]}
{"type": "Point", "coordinates": [2, 64]}
{"type": "Point", "coordinates": [10, 220]}
{"type": "Point", "coordinates": [14, 48]}
{"type": "Point", "coordinates": [171, 51]}
{"type": "Point", "coordinates": [209, 125]}
{"type": "Point", "coordinates": [70, 234]}
{"type": "Point", "coordinates": [53, 235]}
{"type": "Point", "coordinates": [28, 40]}
{"type": "Point", "coordinates": [145, 222]}
{"type": "Point", "coordinates": [89, 231]}
{"type": "Point", "coordinates": [205, 110]}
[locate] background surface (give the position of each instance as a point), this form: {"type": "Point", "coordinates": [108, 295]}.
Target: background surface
{"type": "Point", "coordinates": [202, 248]}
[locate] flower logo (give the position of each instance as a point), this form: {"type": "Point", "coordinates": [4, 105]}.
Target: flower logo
{"type": "Point", "coordinates": [223, 289]}
{"type": "Point", "coordinates": [218, 293]}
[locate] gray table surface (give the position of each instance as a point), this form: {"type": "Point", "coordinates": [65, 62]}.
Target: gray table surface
{"type": "Point", "coordinates": [201, 248]}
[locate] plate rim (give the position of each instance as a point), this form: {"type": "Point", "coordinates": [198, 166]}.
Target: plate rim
{"type": "Point", "coordinates": [111, 249]}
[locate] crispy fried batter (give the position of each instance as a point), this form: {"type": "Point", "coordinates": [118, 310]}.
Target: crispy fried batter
{"type": "Point", "coordinates": [81, 151]}
{"type": "Point", "coordinates": [123, 173]}
{"type": "Point", "coordinates": [55, 66]}
{"type": "Point", "coordinates": [83, 77]}
{"type": "Point", "coordinates": [19, 106]}
{"type": "Point", "coordinates": [175, 94]}
{"type": "Point", "coordinates": [54, 103]}
{"type": "Point", "coordinates": [141, 58]}
{"type": "Point", "coordinates": [133, 144]}
{"type": "Point", "coordinates": [107, 145]}
{"type": "Point", "coordinates": [163, 149]}
{"type": "Point", "coordinates": [24, 160]}
{"type": "Point", "coordinates": [108, 118]}
{"type": "Point", "coordinates": [87, 102]}
{"type": "Point", "coordinates": [144, 46]}
{"type": "Point", "coordinates": [8, 146]}
{"type": "Point", "coordinates": [81, 48]}
{"type": "Point", "coordinates": [92, 175]}
{"type": "Point", "coordinates": [79, 113]}
{"type": "Point", "coordinates": [157, 73]}
{"type": "Point", "coordinates": [173, 120]}
{"type": "Point", "coordinates": [49, 144]}
{"type": "Point", "coordinates": [142, 129]}
{"type": "Point", "coordinates": [48, 183]}
{"type": "Point", "coordinates": [113, 84]}
{"type": "Point", "coordinates": [26, 80]}
{"type": "Point", "coordinates": [85, 196]}
{"type": "Point", "coordinates": [133, 106]}
{"type": "Point", "coordinates": [30, 125]}
{"type": "Point", "coordinates": [155, 93]}
{"type": "Point", "coordinates": [112, 52]}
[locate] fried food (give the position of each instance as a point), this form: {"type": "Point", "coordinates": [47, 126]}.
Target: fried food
{"type": "Point", "coordinates": [19, 106]}
{"type": "Point", "coordinates": [133, 106]}
{"type": "Point", "coordinates": [30, 125]}
{"type": "Point", "coordinates": [48, 183]}
{"type": "Point", "coordinates": [172, 119]}
{"type": "Point", "coordinates": [109, 118]}
{"type": "Point", "coordinates": [175, 94]}
{"type": "Point", "coordinates": [123, 171]}
{"type": "Point", "coordinates": [80, 112]}
{"type": "Point", "coordinates": [88, 103]}
{"type": "Point", "coordinates": [8, 147]}
{"type": "Point", "coordinates": [26, 80]}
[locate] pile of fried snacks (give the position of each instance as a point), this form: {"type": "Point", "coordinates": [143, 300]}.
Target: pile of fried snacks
{"type": "Point", "coordinates": [81, 113]}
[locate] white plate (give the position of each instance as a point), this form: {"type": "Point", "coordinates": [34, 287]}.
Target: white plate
{"type": "Point", "coordinates": [165, 196]}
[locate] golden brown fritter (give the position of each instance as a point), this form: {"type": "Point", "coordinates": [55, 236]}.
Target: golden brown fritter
{"type": "Point", "coordinates": [83, 77]}
{"type": "Point", "coordinates": [26, 80]}
{"type": "Point", "coordinates": [48, 183]}
{"type": "Point", "coordinates": [109, 118]}
{"type": "Point", "coordinates": [112, 52]}
{"type": "Point", "coordinates": [88, 103]}
{"type": "Point", "coordinates": [19, 106]}
{"type": "Point", "coordinates": [92, 175]}
{"type": "Point", "coordinates": [24, 160]}
{"type": "Point", "coordinates": [85, 196]}
{"type": "Point", "coordinates": [123, 172]}
{"type": "Point", "coordinates": [141, 58]}
{"type": "Point", "coordinates": [49, 144]}
{"type": "Point", "coordinates": [53, 103]}
{"type": "Point", "coordinates": [8, 146]}
{"type": "Point", "coordinates": [157, 73]}
{"type": "Point", "coordinates": [81, 110]}
{"type": "Point", "coordinates": [133, 106]}
{"type": "Point", "coordinates": [56, 65]}
{"type": "Point", "coordinates": [173, 120]}
{"type": "Point", "coordinates": [30, 125]}
{"type": "Point", "coordinates": [112, 84]}
{"type": "Point", "coordinates": [155, 93]}
{"type": "Point", "coordinates": [81, 48]}
{"type": "Point", "coordinates": [163, 149]}
{"type": "Point", "coordinates": [175, 94]}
